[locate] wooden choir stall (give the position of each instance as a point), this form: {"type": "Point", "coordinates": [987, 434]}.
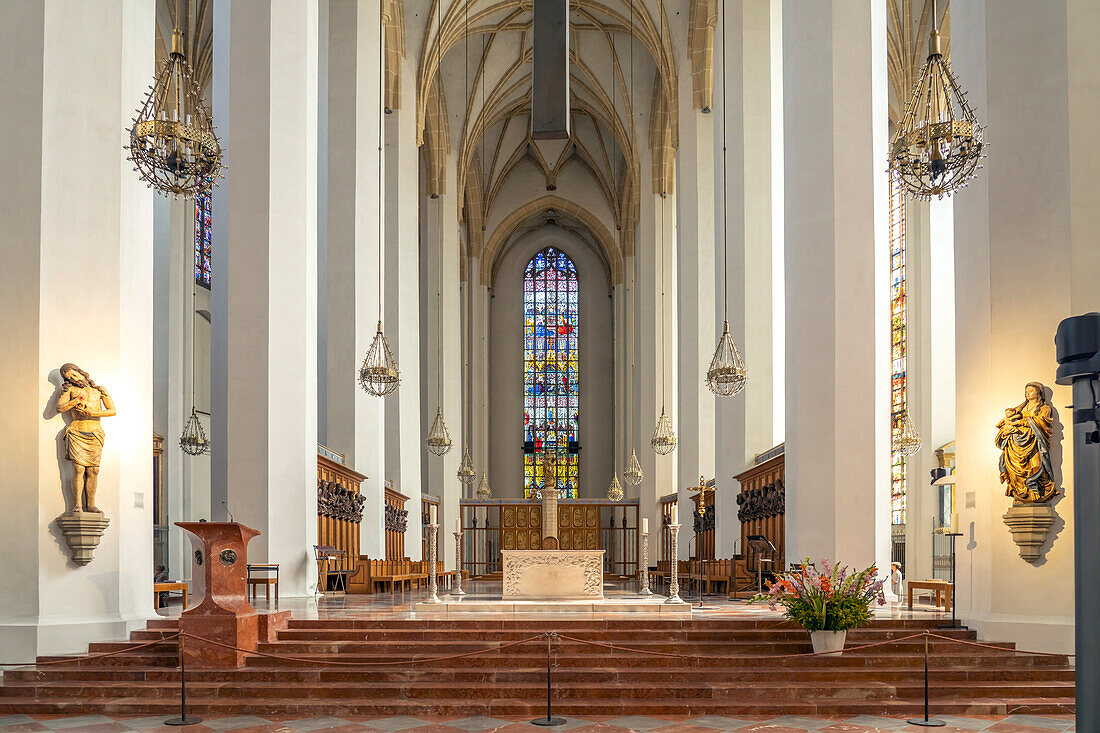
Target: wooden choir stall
{"type": "Point", "coordinates": [760, 509]}
{"type": "Point", "coordinates": [339, 516]}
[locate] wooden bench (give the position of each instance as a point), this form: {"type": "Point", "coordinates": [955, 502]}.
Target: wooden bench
{"type": "Point", "coordinates": [943, 590]}
{"type": "Point", "coordinates": [159, 588]}
{"type": "Point", "coordinates": [265, 580]}
{"type": "Point", "coordinates": [395, 573]}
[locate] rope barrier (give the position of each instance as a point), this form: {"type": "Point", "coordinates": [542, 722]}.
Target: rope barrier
{"type": "Point", "coordinates": [78, 660]}
{"type": "Point", "coordinates": [305, 660]}
{"type": "Point", "coordinates": [999, 648]}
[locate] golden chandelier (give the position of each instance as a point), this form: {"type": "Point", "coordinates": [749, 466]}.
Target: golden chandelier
{"type": "Point", "coordinates": [172, 141]}
{"type": "Point", "coordinates": [938, 145]}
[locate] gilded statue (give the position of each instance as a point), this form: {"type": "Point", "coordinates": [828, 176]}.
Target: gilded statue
{"type": "Point", "coordinates": [1024, 439]}
{"type": "Point", "coordinates": [86, 402]}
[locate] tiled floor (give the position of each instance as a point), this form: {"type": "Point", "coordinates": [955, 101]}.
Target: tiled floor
{"type": "Point", "coordinates": [707, 724]}
{"type": "Point", "coordinates": [387, 606]}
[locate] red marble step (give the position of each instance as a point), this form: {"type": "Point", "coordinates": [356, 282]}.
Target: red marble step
{"type": "Point", "coordinates": [536, 673]}
{"type": "Point", "coordinates": [565, 689]}
{"type": "Point", "coordinates": [501, 706]}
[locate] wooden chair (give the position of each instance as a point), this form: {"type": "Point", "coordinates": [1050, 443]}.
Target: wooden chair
{"type": "Point", "coordinates": [333, 579]}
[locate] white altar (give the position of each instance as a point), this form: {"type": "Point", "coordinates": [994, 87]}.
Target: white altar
{"type": "Point", "coordinates": [553, 575]}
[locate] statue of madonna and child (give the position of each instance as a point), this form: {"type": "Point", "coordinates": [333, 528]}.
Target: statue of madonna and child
{"type": "Point", "coordinates": [1024, 437]}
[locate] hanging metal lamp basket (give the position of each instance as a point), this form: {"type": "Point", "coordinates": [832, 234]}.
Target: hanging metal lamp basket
{"type": "Point", "coordinates": [726, 376]}
{"type": "Point", "coordinates": [484, 492]}
{"type": "Point", "coordinates": [908, 442]}
{"type": "Point", "coordinates": [664, 438]}
{"type": "Point", "coordinates": [633, 474]}
{"type": "Point", "coordinates": [615, 491]}
{"type": "Point", "coordinates": [172, 142]}
{"type": "Point", "coordinates": [379, 375]}
{"type": "Point", "coordinates": [438, 440]}
{"type": "Point", "coordinates": [937, 148]}
{"type": "Point", "coordinates": [194, 442]}
{"type": "Point", "coordinates": [466, 472]}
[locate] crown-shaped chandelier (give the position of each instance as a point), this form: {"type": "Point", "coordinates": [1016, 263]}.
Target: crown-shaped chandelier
{"type": "Point", "coordinates": [938, 145]}
{"type": "Point", "coordinates": [633, 474]}
{"type": "Point", "coordinates": [466, 472]}
{"type": "Point", "coordinates": [664, 439]}
{"type": "Point", "coordinates": [615, 490]}
{"type": "Point", "coordinates": [172, 142]}
{"type": "Point", "coordinates": [908, 442]}
{"type": "Point", "coordinates": [379, 374]}
{"type": "Point", "coordinates": [438, 440]}
{"type": "Point", "coordinates": [484, 492]}
{"type": "Point", "coordinates": [194, 442]}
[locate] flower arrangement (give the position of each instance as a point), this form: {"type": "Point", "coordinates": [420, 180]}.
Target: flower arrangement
{"type": "Point", "coordinates": [829, 599]}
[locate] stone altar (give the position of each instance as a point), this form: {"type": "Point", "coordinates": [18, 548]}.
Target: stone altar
{"type": "Point", "coordinates": [553, 575]}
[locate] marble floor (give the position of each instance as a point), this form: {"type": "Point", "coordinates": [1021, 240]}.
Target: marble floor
{"type": "Point", "coordinates": [400, 605]}
{"type": "Point", "coordinates": [648, 724]}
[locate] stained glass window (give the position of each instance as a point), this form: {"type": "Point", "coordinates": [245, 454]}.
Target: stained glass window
{"type": "Point", "coordinates": [203, 230]}
{"type": "Point", "coordinates": [897, 347]}
{"type": "Point", "coordinates": [550, 371]}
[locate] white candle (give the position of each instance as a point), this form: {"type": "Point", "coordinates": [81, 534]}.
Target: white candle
{"type": "Point", "coordinates": [645, 525]}
{"type": "Point", "coordinates": [431, 514]}
{"type": "Point", "coordinates": [674, 514]}
{"type": "Point", "coordinates": [458, 526]}
{"type": "Point", "coordinates": [954, 523]}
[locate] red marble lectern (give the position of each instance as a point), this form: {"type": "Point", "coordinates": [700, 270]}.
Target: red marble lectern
{"type": "Point", "coordinates": [220, 609]}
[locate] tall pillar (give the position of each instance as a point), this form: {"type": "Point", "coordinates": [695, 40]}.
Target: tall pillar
{"type": "Point", "coordinates": [837, 397]}
{"type": "Point", "coordinates": [478, 328]}
{"type": "Point", "coordinates": [1025, 258]}
{"type": "Point", "coordinates": [694, 244]}
{"type": "Point", "coordinates": [76, 273]}
{"type": "Point", "coordinates": [745, 425]}
{"type": "Point", "coordinates": [442, 373]}
{"type": "Point", "coordinates": [264, 327]}
{"type": "Point", "coordinates": [354, 420]}
{"type": "Point", "coordinates": [404, 438]}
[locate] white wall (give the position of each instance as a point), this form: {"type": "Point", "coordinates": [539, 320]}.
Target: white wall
{"type": "Point", "coordinates": [597, 428]}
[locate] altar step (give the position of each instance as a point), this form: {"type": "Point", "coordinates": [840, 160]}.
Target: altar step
{"type": "Point", "coordinates": [587, 679]}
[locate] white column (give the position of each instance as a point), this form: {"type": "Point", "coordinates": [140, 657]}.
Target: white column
{"type": "Point", "coordinates": [264, 328]}
{"type": "Point", "coordinates": [744, 425]}
{"type": "Point", "coordinates": [1025, 258]}
{"type": "Point", "coordinates": [695, 270]}
{"type": "Point", "coordinates": [838, 452]}
{"type": "Point", "coordinates": [478, 296]}
{"type": "Point", "coordinates": [76, 274]}
{"type": "Point", "coordinates": [354, 419]}
{"type": "Point", "coordinates": [442, 374]}
{"type": "Point", "coordinates": [404, 438]}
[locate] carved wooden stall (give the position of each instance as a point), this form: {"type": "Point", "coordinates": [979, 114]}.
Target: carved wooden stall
{"type": "Point", "coordinates": [761, 507]}
{"type": "Point", "coordinates": [397, 519]}
{"type": "Point", "coordinates": [666, 534]}
{"type": "Point", "coordinates": [702, 520]}
{"type": "Point", "coordinates": [339, 507]}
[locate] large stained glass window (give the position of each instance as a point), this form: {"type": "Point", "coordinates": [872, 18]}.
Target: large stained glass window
{"type": "Point", "coordinates": [203, 230]}
{"type": "Point", "coordinates": [897, 348]}
{"type": "Point", "coordinates": [550, 375]}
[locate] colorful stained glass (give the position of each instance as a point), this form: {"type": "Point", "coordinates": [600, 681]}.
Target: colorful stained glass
{"type": "Point", "coordinates": [203, 230]}
{"type": "Point", "coordinates": [898, 396]}
{"type": "Point", "coordinates": [551, 406]}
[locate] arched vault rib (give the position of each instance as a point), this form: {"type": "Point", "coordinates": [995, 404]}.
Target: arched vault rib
{"type": "Point", "coordinates": [608, 249]}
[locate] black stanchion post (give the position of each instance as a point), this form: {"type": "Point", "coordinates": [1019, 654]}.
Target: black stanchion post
{"type": "Point", "coordinates": [182, 719]}
{"type": "Point", "coordinates": [927, 722]}
{"type": "Point", "coordinates": [549, 720]}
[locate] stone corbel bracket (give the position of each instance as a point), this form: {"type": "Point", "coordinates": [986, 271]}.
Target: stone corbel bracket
{"type": "Point", "coordinates": [1030, 525]}
{"type": "Point", "coordinates": [82, 531]}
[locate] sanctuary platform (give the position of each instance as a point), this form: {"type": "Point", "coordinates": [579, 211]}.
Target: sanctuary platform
{"type": "Point", "coordinates": [652, 606]}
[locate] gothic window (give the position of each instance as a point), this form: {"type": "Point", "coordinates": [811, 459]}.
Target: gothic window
{"type": "Point", "coordinates": [550, 371]}
{"type": "Point", "coordinates": [203, 230]}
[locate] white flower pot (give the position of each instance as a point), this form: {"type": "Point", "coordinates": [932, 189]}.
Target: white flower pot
{"type": "Point", "coordinates": [828, 641]}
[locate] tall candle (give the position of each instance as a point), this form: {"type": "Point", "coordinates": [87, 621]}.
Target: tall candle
{"type": "Point", "coordinates": [645, 525]}
{"type": "Point", "coordinates": [954, 523]}
{"type": "Point", "coordinates": [431, 514]}
{"type": "Point", "coordinates": [458, 526]}
{"type": "Point", "coordinates": [674, 514]}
